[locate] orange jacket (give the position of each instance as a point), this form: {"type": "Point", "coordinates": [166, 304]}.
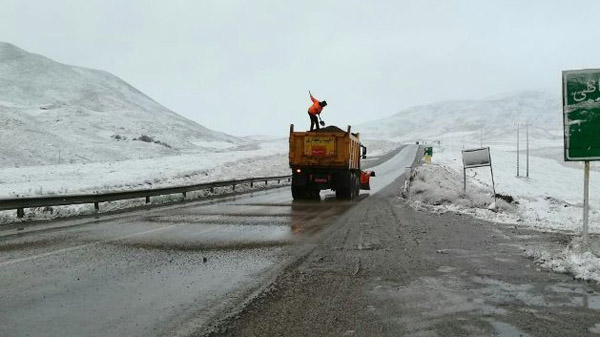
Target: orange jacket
{"type": "Point", "coordinates": [315, 109]}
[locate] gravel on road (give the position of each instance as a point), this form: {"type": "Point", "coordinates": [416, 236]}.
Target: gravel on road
{"type": "Point", "coordinates": [385, 269]}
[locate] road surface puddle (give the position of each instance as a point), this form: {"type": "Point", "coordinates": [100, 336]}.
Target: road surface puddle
{"type": "Point", "coordinates": [431, 303]}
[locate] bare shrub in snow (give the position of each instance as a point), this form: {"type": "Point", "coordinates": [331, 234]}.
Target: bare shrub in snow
{"type": "Point", "coordinates": [118, 137]}
{"type": "Point", "coordinates": [145, 138]}
{"type": "Point", "coordinates": [149, 139]}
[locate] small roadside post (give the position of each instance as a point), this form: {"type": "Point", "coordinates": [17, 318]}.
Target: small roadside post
{"type": "Point", "coordinates": [581, 122]}
{"type": "Point", "coordinates": [428, 154]}
{"type": "Point", "coordinates": [518, 151]}
{"type": "Point", "coordinates": [473, 158]}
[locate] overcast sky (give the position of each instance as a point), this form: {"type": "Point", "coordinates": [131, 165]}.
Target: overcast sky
{"type": "Point", "coordinates": [244, 67]}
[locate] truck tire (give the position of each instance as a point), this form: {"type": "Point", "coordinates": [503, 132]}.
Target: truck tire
{"type": "Point", "coordinates": [344, 190]}
{"type": "Point", "coordinates": [341, 193]}
{"type": "Point", "coordinates": [351, 187]}
{"type": "Point", "coordinates": [356, 184]}
{"type": "Point", "coordinates": [299, 192]}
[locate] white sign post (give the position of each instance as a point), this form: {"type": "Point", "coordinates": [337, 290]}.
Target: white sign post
{"type": "Point", "coordinates": [473, 158]}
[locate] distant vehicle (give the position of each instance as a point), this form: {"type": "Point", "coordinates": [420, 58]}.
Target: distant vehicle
{"type": "Point", "coordinates": [328, 158]}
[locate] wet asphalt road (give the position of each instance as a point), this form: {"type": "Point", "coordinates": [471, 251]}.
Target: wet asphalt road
{"type": "Point", "coordinates": [386, 269]}
{"type": "Point", "coordinates": [165, 271]}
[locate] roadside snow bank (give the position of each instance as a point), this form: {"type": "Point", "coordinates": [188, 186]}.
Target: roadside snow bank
{"type": "Point", "coordinates": [440, 189]}
{"type": "Point", "coordinates": [266, 159]}
{"type": "Point", "coordinates": [550, 199]}
{"type": "Point", "coordinates": [574, 259]}
{"type": "Point", "coordinates": [57, 212]}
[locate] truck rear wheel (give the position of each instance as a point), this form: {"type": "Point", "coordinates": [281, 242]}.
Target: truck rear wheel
{"type": "Point", "coordinates": [341, 193]}
{"type": "Point", "coordinates": [345, 187]}
{"type": "Point", "coordinates": [351, 187]}
{"type": "Point", "coordinates": [299, 192]}
{"type": "Point", "coordinates": [313, 194]}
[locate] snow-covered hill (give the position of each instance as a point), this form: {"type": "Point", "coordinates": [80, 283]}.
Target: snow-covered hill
{"type": "Point", "coordinates": [494, 119]}
{"type": "Point", "coordinates": [51, 112]}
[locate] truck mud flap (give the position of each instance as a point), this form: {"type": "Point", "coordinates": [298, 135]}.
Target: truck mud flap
{"type": "Point", "coordinates": [365, 178]}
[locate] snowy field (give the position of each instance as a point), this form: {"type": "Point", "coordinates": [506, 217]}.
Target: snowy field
{"type": "Point", "coordinates": [551, 199]}
{"type": "Point", "coordinates": [260, 159]}
{"type": "Point", "coordinates": [266, 158]}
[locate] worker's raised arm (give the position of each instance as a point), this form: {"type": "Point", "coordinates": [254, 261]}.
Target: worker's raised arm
{"type": "Point", "coordinates": [312, 98]}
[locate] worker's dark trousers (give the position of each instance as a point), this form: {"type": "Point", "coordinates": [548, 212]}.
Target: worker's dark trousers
{"type": "Point", "coordinates": [313, 121]}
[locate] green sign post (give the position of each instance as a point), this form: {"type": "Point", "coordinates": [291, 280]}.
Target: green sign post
{"type": "Point", "coordinates": [429, 151]}
{"type": "Point", "coordinates": [581, 120]}
{"type": "Point", "coordinates": [581, 114]}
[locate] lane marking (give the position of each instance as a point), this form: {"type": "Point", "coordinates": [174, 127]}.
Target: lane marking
{"type": "Point", "coordinates": [62, 250]}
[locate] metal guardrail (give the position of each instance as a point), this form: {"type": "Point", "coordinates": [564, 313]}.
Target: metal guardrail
{"type": "Point", "coordinates": [96, 198]}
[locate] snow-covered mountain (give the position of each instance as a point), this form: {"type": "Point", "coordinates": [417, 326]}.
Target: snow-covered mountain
{"type": "Point", "coordinates": [494, 118]}
{"type": "Point", "coordinates": [50, 110]}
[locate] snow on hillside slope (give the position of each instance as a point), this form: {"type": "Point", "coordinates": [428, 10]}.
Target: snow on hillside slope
{"type": "Point", "coordinates": [51, 113]}
{"type": "Point", "coordinates": [491, 119]}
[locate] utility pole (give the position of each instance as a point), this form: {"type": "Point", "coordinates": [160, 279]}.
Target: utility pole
{"type": "Point", "coordinates": [517, 149]}
{"type": "Point", "coordinates": [481, 137]}
{"type": "Point", "coordinates": [527, 133]}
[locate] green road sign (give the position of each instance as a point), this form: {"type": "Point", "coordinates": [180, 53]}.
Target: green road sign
{"type": "Point", "coordinates": [429, 151]}
{"type": "Point", "coordinates": [581, 114]}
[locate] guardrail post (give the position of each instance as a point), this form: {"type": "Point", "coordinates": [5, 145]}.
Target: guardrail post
{"type": "Point", "coordinates": [20, 213]}
{"type": "Point", "coordinates": [279, 181]}
{"type": "Point", "coordinates": [251, 184]}
{"type": "Point", "coordinates": [96, 206]}
{"type": "Point", "coordinates": [147, 199]}
{"type": "Point", "coordinates": [184, 194]}
{"type": "Point", "coordinates": [233, 187]}
{"type": "Point", "coordinates": [212, 189]}
{"type": "Point", "coordinates": [266, 183]}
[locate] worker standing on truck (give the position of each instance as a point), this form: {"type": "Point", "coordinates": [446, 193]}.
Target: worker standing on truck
{"type": "Point", "coordinates": [315, 110]}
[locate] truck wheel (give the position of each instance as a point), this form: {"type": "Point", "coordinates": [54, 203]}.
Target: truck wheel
{"type": "Point", "coordinates": [341, 194]}
{"type": "Point", "coordinates": [313, 194]}
{"type": "Point", "coordinates": [338, 192]}
{"type": "Point", "coordinates": [356, 185]}
{"type": "Point", "coordinates": [298, 192]}
{"type": "Point", "coordinates": [343, 190]}
{"type": "Point", "coordinates": [351, 187]}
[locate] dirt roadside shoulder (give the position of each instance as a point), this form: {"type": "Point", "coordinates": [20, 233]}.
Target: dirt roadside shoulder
{"type": "Point", "coordinates": [389, 270]}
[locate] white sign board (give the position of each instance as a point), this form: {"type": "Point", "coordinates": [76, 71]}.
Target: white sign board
{"type": "Point", "coordinates": [477, 157]}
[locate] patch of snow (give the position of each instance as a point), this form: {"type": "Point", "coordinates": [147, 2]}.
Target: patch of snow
{"type": "Point", "coordinates": [582, 263]}
{"type": "Point", "coordinates": [461, 121]}
{"type": "Point", "coordinates": [214, 144]}
{"type": "Point", "coordinates": [190, 168]}
{"type": "Point", "coordinates": [440, 189]}
{"type": "Point", "coordinates": [55, 113]}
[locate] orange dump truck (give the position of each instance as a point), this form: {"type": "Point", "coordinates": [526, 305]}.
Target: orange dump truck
{"type": "Point", "coordinates": [327, 159]}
